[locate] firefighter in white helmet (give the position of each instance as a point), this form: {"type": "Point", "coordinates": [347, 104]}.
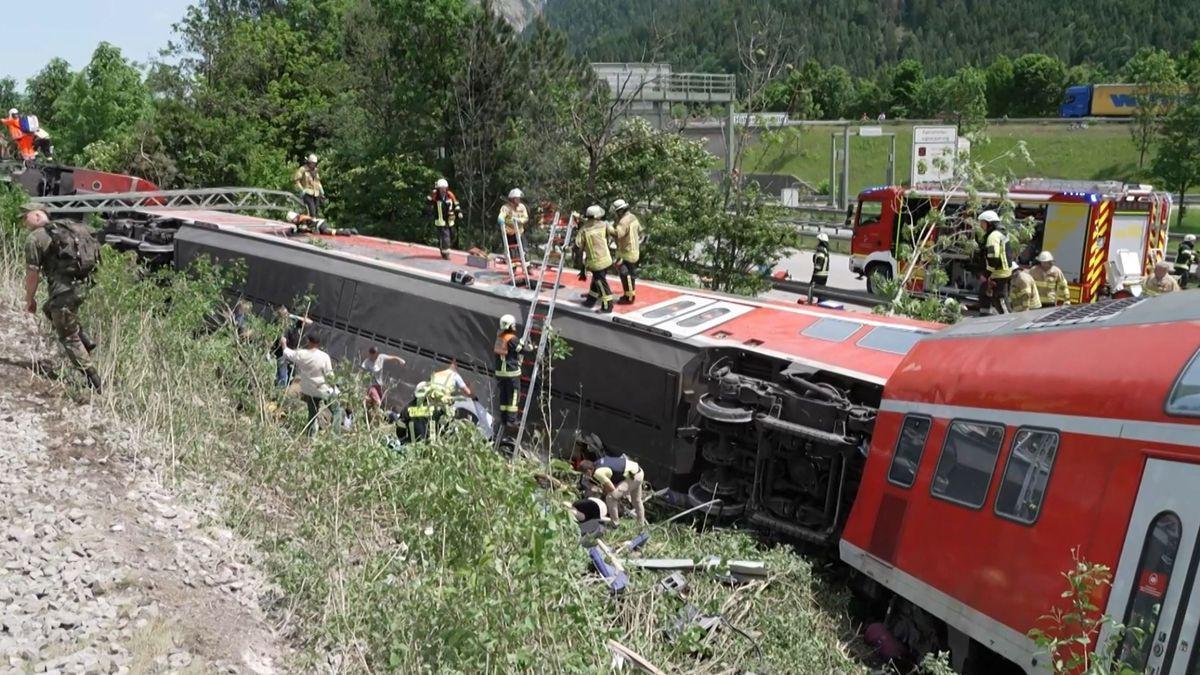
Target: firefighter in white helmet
{"type": "Point", "coordinates": [592, 239]}
{"type": "Point", "coordinates": [1023, 293]}
{"type": "Point", "coordinates": [999, 262]}
{"type": "Point", "coordinates": [1185, 258]}
{"type": "Point", "coordinates": [628, 230]}
{"type": "Point", "coordinates": [441, 206]}
{"type": "Point", "coordinates": [1051, 282]}
{"type": "Point", "coordinates": [508, 350]}
{"type": "Point", "coordinates": [308, 182]}
{"type": "Point", "coordinates": [306, 224]}
{"type": "Point", "coordinates": [513, 218]}
{"type": "Point", "coordinates": [820, 263]}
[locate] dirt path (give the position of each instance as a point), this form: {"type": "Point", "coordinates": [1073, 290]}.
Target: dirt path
{"type": "Point", "coordinates": [104, 566]}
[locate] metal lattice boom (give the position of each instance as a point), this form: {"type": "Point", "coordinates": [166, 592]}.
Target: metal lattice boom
{"type": "Point", "coordinates": [212, 199]}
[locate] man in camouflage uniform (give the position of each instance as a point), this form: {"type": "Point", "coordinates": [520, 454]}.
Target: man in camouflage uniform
{"type": "Point", "coordinates": [65, 295]}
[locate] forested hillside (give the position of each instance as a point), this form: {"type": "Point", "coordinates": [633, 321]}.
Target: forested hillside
{"type": "Point", "coordinates": [865, 35]}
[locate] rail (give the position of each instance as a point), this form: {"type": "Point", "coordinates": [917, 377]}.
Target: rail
{"type": "Point", "coordinates": [210, 199]}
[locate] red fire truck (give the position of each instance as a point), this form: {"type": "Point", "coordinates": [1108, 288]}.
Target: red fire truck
{"type": "Point", "coordinates": [1083, 224]}
{"type": "Point", "coordinates": [1005, 443]}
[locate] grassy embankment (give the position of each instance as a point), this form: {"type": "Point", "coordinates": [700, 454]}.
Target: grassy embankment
{"type": "Point", "coordinates": [1100, 152]}
{"type": "Point", "coordinates": [446, 558]}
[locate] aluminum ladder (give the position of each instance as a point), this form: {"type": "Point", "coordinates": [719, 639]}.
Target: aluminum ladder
{"type": "Point", "coordinates": [209, 199]}
{"type": "Point", "coordinates": [519, 247]}
{"type": "Point", "coordinates": [537, 321]}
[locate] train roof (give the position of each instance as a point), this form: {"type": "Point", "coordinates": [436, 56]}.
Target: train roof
{"type": "Point", "coordinates": [1115, 368]}
{"type": "Point", "coordinates": [858, 345]}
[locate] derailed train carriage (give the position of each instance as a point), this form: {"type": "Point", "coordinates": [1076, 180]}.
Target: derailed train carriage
{"type": "Point", "coordinates": [767, 405]}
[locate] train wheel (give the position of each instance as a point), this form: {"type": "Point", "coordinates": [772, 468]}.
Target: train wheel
{"type": "Point", "coordinates": [697, 495]}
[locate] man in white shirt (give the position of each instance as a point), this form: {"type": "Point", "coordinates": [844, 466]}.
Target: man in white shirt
{"type": "Point", "coordinates": [313, 365]}
{"type": "Point", "coordinates": [374, 364]}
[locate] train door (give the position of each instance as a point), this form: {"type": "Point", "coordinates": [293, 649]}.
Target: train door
{"type": "Point", "coordinates": [1154, 588]}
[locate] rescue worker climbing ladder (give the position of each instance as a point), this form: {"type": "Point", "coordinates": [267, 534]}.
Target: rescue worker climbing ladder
{"type": "Point", "coordinates": [508, 371]}
{"type": "Point", "coordinates": [593, 241]}
{"type": "Point", "coordinates": [512, 220]}
{"type": "Point", "coordinates": [628, 231]}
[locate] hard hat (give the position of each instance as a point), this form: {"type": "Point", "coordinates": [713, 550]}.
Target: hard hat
{"type": "Point", "coordinates": [823, 238]}
{"type": "Point", "coordinates": [508, 322]}
{"type": "Point", "coordinates": [292, 216]}
{"type": "Point", "coordinates": [595, 211]}
{"type": "Point", "coordinates": [619, 205]}
{"type": "Point", "coordinates": [312, 158]}
{"type": "Point", "coordinates": [989, 216]}
{"type": "Point", "coordinates": [441, 184]}
{"type": "Point", "coordinates": [1045, 256]}
{"type": "Point", "coordinates": [1189, 237]}
{"type": "Point", "coordinates": [515, 193]}
{"type": "Point", "coordinates": [421, 390]}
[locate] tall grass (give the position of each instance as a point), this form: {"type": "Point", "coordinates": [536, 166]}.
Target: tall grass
{"type": "Point", "coordinates": [444, 558]}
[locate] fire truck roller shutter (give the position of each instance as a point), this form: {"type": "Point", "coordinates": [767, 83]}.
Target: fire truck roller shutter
{"type": "Point", "coordinates": [1128, 233]}
{"type": "Point", "coordinates": [1065, 234]}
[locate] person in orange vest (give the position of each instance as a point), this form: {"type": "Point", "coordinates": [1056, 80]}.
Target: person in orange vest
{"type": "Point", "coordinates": [442, 206]}
{"type": "Point", "coordinates": [508, 349]}
{"type": "Point", "coordinates": [24, 140]}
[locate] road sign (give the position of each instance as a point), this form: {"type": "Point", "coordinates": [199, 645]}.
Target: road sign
{"type": "Point", "coordinates": [870, 131]}
{"type": "Point", "coordinates": [934, 152]}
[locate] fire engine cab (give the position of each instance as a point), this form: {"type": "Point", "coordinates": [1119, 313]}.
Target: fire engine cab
{"type": "Point", "coordinates": [1004, 443]}
{"type": "Point", "coordinates": [1083, 224]}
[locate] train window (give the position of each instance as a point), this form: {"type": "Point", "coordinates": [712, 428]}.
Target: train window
{"type": "Point", "coordinates": [1185, 395]}
{"type": "Point", "coordinates": [909, 447]}
{"type": "Point", "coordinates": [1145, 600]}
{"type": "Point", "coordinates": [834, 330]}
{"type": "Point", "coordinates": [964, 471]}
{"type": "Point", "coordinates": [1023, 486]}
{"type": "Point", "coordinates": [893, 340]}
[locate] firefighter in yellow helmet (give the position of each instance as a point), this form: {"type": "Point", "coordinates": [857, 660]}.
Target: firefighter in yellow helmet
{"type": "Point", "coordinates": [999, 263]}
{"type": "Point", "coordinates": [628, 231]}
{"type": "Point", "coordinates": [592, 239]}
{"type": "Point", "coordinates": [1051, 282]}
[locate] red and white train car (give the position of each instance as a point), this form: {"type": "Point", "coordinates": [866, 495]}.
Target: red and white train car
{"type": "Point", "coordinates": [1004, 443]}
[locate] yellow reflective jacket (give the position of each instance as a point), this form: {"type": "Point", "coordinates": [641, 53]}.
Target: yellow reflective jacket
{"type": "Point", "coordinates": [996, 249]}
{"type": "Point", "coordinates": [1051, 285]}
{"type": "Point", "coordinates": [1024, 292]}
{"type": "Point", "coordinates": [628, 230]}
{"type": "Point", "coordinates": [308, 181]}
{"type": "Point", "coordinates": [593, 239]}
{"type": "Point", "coordinates": [513, 219]}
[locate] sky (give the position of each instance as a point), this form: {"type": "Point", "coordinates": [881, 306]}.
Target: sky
{"type": "Point", "coordinates": [72, 29]}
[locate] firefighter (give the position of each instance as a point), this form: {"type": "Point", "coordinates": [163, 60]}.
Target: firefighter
{"type": "Point", "coordinates": [1050, 280]}
{"type": "Point", "coordinates": [820, 273]}
{"type": "Point", "coordinates": [628, 232]}
{"type": "Point", "coordinates": [513, 218]}
{"type": "Point", "coordinates": [618, 477]}
{"type": "Point", "coordinates": [999, 263]}
{"type": "Point", "coordinates": [446, 384]}
{"type": "Point", "coordinates": [308, 181]}
{"type": "Point", "coordinates": [593, 240]}
{"type": "Point", "coordinates": [1185, 257]}
{"type": "Point", "coordinates": [1024, 295]}
{"type": "Point", "coordinates": [442, 206]}
{"type": "Point", "coordinates": [306, 224]}
{"type": "Point", "coordinates": [1160, 282]}
{"type": "Point", "coordinates": [420, 418]}
{"type": "Point", "coordinates": [508, 349]}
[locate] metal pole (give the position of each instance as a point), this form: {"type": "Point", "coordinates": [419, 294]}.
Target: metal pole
{"type": "Point", "coordinates": [891, 177]}
{"type": "Point", "coordinates": [845, 167]}
{"type": "Point", "coordinates": [729, 145]}
{"type": "Point", "coordinates": [834, 200]}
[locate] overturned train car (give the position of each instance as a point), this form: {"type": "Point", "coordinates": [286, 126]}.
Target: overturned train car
{"type": "Point", "coordinates": [766, 405]}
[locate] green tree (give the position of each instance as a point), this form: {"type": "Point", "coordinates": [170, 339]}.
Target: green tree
{"type": "Point", "coordinates": [1157, 86]}
{"type": "Point", "coordinates": [9, 96]}
{"type": "Point", "coordinates": [908, 78]}
{"type": "Point", "coordinates": [966, 100]}
{"type": "Point", "coordinates": [999, 89]}
{"type": "Point", "coordinates": [1038, 82]}
{"type": "Point", "coordinates": [44, 89]}
{"type": "Point", "coordinates": [835, 93]}
{"type": "Point", "coordinates": [1177, 159]}
{"type": "Point", "coordinates": [104, 100]}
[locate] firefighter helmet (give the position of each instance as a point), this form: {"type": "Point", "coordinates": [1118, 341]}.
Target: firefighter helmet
{"type": "Point", "coordinates": [620, 205]}
{"type": "Point", "coordinates": [441, 184]}
{"type": "Point", "coordinates": [421, 390]}
{"type": "Point", "coordinates": [1189, 237]}
{"type": "Point", "coordinates": [823, 238]}
{"type": "Point", "coordinates": [312, 158]}
{"type": "Point", "coordinates": [1045, 256]}
{"type": "Point", "coordinates": [595, 212]}
{"type": "Point", "coordinates": [292, 216]}
{"type": "Point", "coordinates": [515, 193]}
{"type": "Point", "coordinates": [508, 322]}
{"type": "Point", "coordinates": [989, 216]}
